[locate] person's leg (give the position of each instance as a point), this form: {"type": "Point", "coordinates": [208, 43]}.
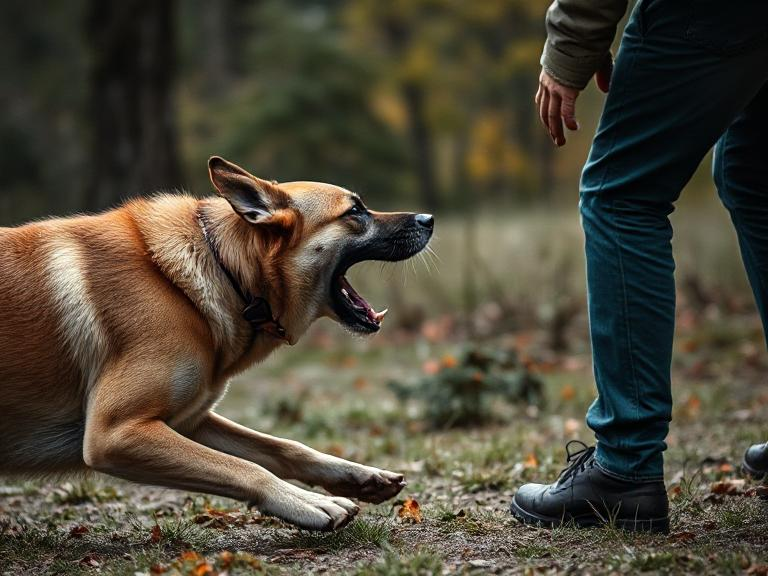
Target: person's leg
{"type": "Point", "coordinates": [740, 169]}
{"type": "Point", "coordinates": [671, 98]}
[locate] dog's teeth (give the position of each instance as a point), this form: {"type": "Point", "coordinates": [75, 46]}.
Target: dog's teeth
{"type": "Point", "coordinates": [346, 294]}
{"type": "Point", "coordinates": [380, 315]}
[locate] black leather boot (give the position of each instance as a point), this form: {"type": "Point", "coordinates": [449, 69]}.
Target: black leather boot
{"type": "Point", "coordinates": [755, 461]}
{"type": "Point", "coordinates": [585, 495]}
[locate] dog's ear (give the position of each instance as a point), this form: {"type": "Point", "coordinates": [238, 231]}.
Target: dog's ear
{"type": "Point", "coordinates": [254, 199]}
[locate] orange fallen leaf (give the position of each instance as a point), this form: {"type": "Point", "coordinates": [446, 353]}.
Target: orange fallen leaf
{"type": "Point", "coordinates": [203, 568]}
{"type": "Point", "coordinates": [449, 361]}
{"type": "Point", "coordinates": [726, 468]}
{"type": "Point", "coordinates": [410, 511]}
{"type": "Point", "coordinates": [360, 383]}
{"type": "Point", "coordinates": [568, 393]}
{"type": "Point", "coordinates": [531, 461]}
{"type": "Point", "coordinates": [693, 405]}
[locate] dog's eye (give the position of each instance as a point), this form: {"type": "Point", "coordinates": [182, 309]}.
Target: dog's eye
{"type": "Point", "coordinates": [354, 211]}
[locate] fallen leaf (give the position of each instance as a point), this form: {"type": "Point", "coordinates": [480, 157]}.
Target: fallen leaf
{"type": "Point", "coordinates": [202, 569]}
{"type": "Point", "coordinates": [531, 461]}
{"type": "Point", "coordinates": [449, 361]}
{"type": "Point", "coordinates": [225, 559]}
{"type": "Point", "coordinates": [156, 534]}
{"type": "Point", "coordinates": [410, 511]}
{"type": "Point", "coordinates": [360, 383]}
{"type": "Point", "coordinates": [78, 531]}
{"type": "Point", "coordinates": [758, 570]}
{"type": "Point", "coordinates": [90, 560]}
{"type": "Point", "coordinates": [682, 536]}
{"type": "Point", "coordinates": [567, 393]}
{"type": "Point", "coordinates": [730, 487]}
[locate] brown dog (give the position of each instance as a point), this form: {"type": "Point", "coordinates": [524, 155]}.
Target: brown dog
{"type": "Point", "coordinates": [120, 331]}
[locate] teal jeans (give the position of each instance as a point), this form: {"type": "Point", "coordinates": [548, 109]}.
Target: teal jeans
{"type": "Point", "coordinates": [689, 75]}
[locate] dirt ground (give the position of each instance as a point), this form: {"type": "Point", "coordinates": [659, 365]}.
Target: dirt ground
{"type": "Point", "coordinates": [332, 393]}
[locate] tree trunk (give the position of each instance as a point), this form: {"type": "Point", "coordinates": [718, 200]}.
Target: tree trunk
{"type": "Point", "coordinates": [421, 141]}
{"type": "Point", "coordinates": [134, 148]}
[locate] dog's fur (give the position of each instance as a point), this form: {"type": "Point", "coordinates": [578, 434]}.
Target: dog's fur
{"type": "Point", "coordinates": [119, 332]}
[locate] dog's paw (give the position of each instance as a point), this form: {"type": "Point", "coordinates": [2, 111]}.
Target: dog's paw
{"type": "Point", "coordinates": [368, 484]}
{"type": "Point", "coordinates": [310, 510]}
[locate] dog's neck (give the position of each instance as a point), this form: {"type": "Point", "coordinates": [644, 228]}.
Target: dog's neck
{"type": "Point", "coordinates": [180, 251]}
{"type": "Point", "coordinates": [256, 309]}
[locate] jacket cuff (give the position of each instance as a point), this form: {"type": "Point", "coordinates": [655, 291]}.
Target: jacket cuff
{"type": "Point", "coordinates": [573, 71]}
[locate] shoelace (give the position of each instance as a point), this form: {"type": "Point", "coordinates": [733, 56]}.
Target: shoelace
{"type": "Point", "coordinates": [577, 460]}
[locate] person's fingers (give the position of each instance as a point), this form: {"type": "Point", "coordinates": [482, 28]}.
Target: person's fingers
{"type": "Point", "coordinates": [604, 73]}
{"type": "Point", "coordinates": [544, 108]}
{"type": "Point", "coordinates": [568, 110]}
{"type": "Point", "coordinates": [555, 119]}
{"type": "Point", "coordinates": [537, 98]}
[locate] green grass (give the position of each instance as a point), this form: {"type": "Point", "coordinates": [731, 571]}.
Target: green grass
{"type": "Point", "coordinates": [361, 533]}
{"type": "Point", "coordinates": [418, 563]}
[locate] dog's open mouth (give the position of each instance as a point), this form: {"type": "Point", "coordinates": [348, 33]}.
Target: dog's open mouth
{"type": "Point", "coordinates": [352, 309]}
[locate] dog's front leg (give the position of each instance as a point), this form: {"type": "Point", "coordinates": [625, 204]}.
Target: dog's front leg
{"type": "Point", "coordinates": [126, 440]}
{"type": "Point", "coordinates": [293, 460]}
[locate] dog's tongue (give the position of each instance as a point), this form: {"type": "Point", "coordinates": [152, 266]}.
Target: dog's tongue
{"type": "Point", "coordinates": [360, 302]}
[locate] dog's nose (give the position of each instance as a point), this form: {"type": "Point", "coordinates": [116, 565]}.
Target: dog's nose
{"type": "Point", "coordinates": [426, 220]}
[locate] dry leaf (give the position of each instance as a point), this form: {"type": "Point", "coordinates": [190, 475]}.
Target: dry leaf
{"type": "Point", "coordinates": [531, 461]}
{"type": "Point", "coordinates": [726, 468]}
{"type": "Point", "coordinates": [731, 487]}
{"type": "Point", "coordinates": [78, 531]}
{"type": "Point", "coordinates": [410, 511]}
{"type": "Point", "coordinates": [225, 559]}
{"type": "Point", "coordinates": [449, 361]}
{"type": "Point", "coordinates": [156, 534]}
{"type": "Point", "coordinates": [202, 569]}
{"type": "Point", "coordinates": [682, 536]}
{"type": "Point", "coordinates": [90, 560]}
{"type": "Point", "coordinates": [567, 393]}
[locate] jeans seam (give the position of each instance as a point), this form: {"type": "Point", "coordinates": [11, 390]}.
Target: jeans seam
{"type": "Point", "coordinates": [617, 240]}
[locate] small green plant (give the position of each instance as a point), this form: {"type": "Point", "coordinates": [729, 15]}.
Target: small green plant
{"type": "Point", "coordinates": [419, 563]}
{"type": "Point", "coordinates": [362, 533]}
{"type": "Point", "coordinates": [86, 490]}
{"type": "Point", "coordinates": [462, 391]}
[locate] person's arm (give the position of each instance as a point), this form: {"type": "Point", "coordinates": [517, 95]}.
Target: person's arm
{"type": "Point", "coordinates": [579, 36]}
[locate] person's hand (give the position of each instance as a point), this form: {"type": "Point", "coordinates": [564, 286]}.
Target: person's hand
{"type": "Point", "coordinates": [557, 103]}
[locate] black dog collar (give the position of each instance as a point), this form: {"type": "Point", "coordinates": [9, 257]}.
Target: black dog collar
{"type": "Point", "coordinates": [257, 311]}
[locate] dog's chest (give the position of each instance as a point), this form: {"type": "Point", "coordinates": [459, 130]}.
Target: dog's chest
{"type": "Point", "coordinates": [191, 393]}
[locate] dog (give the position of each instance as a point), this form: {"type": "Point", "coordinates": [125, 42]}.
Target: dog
{"type": "Point", "coordinates": [120, 331]}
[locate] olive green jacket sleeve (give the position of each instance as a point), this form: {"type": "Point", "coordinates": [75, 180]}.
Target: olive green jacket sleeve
{"type": "Point", "coordinates": [579, 36]}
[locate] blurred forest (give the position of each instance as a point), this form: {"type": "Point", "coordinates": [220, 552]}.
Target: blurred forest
{"type": "Point", "coordinates": [423, 102]}
{"type": "Point", "coordinates": [415, 104]}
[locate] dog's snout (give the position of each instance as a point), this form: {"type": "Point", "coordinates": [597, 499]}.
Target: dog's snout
{"type": "Point", "coordinates": [425, 220]}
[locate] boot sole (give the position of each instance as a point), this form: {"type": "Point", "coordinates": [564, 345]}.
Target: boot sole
{"type": "Point", "coordinates": [655, 525]}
